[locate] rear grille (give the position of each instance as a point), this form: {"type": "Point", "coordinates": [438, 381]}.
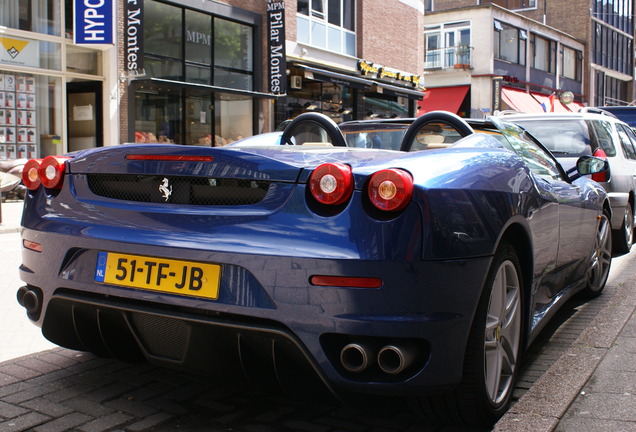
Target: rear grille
{"type": "Point", "coordinates": [162, 336]}
{"type": "Point", "coordinates": [178, 190]}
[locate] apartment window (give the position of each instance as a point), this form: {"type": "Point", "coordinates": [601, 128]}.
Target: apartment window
{"type": "Point", "coordinates": [544, 54]}
{"type": "Point", "coordinates": [447, 44]}
{"type": "Point", "coordinates": [510, 43]}
{"type": "Point", "coordinates": [328, 24]}
{"type": "Point", "coordinates": [571, 63]}
{"type": "Point", "coordinates": [428, 5]}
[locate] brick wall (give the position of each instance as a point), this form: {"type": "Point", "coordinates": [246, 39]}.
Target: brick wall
{"type": "Point", "coordinates": [392, 34]}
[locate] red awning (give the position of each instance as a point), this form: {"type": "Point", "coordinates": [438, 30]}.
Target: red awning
{"type": "Point", "coordinates": [523, 101]}
{"type": "Point", "coordinates": [442, 98]}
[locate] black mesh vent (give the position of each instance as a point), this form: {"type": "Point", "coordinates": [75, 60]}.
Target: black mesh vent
{"type": "Point", "coordinates": [161, 336]}
{"type": "Point", "coordinates": [178, 190]}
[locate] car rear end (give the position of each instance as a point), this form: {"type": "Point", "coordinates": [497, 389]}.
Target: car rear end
{"type": "Point", "coordinates": [224, 261]}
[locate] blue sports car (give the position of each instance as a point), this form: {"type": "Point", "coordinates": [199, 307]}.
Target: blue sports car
{"type": "Point", "coordinates": [422, 269]}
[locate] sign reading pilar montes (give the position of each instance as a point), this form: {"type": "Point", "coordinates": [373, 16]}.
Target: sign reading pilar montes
{"type": "Point", "coordinates": [134, 35]}
{"type": "Point", "coordinates": [277, 62]}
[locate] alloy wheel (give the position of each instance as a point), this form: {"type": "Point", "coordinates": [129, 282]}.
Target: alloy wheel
{"type": "Point", "coordinates": [502, 333]}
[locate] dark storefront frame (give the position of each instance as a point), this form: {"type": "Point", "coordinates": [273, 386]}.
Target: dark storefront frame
{"type": "Point", "coordinates": [343, 97]}
{"type": "Point", "coordinates": [181, 90]}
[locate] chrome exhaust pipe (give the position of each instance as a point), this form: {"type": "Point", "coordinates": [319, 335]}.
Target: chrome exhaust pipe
{"type": "Point", "coordinates": [20, 295]}
{"type": "Point", "coordinates": [355, 357]}
{"type": "Point", "coordinates": [393, 359]}
{"type": "Point", "coordinates": [31, 302]}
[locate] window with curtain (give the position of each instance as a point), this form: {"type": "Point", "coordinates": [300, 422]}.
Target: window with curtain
{"type": "Point", "coordinates": [328, 24]}
{"type": "Point", "coordinates": [510, 43]}
{"type": "Point", "coordinates": [571, 63]}
{"type": "Point", "coordinates": [544, 54]}
{"type": "Point", "coordinates": [40, 16]}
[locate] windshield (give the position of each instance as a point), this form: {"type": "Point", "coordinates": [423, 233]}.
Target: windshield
{"type": "Point", "coordinates": [569, 138]}
{"type": "Point", "coordinates": [378, 136]}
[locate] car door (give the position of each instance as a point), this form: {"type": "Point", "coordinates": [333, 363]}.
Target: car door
{"type": "Point", "coordinates": [575, 220]}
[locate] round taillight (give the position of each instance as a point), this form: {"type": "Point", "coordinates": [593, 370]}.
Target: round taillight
{"type": "Point", "coordinates": [391, 189]}
{"type": "Point", "coordinates": [31, 174]}
{"type": "Point", "coordinates": [331, 183]}
{"type": "Point", "coordinates": [52, 172]}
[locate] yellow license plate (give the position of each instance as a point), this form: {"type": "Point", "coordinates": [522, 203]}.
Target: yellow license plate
{"type": "Point", "coordinates": [158, 274]}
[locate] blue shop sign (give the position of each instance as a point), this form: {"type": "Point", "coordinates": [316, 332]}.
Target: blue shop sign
{"type": "Point", "coordinates": [93, 21]}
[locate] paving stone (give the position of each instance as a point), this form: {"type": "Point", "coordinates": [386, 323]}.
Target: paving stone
{"type": "Point", "coordinates": [65, 423]}
{"type": "Point", "coordinates": [47, 407]}
{"type": "Point", "coordinates": [23, 423]}
{"type": "Point", "coordinates": [9, 411]}
{"type": "Point", "coordinates": [105, 423]}
{"type": "Point", "coordinates": [149, 422]}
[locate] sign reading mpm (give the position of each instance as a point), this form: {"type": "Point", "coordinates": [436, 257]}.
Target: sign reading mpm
{"type": "Point", "coordinates": [277, 63]}
{"type": "Point", "coordinates": [93, 21]}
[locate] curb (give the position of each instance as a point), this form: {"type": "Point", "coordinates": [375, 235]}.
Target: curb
{"type": "Point", "coordinates": [548, 400]}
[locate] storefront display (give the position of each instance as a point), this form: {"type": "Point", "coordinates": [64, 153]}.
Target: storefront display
{"type": "Point", "coordinates": [199, 81]}
{"type": "Point", "coordinates": [18, 118]}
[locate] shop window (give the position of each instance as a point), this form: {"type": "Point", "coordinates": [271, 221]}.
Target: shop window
{"type": "Point", "coordinates": [328, 24]}
{"type": "Point", "coordinates": [164, 68]}
{"type": "Point", "coordinates": [198, 46]}
{"type": "Point", "coordinates": [233, 55]}
{"type": "Point", "coordinates": [162, 29]}
{"type": "Point", "coordinates": [157, 116]}
{"type": "Point", "coordinates": [30, 116]}
{"type": "Point", "coordinates": [40, 16]}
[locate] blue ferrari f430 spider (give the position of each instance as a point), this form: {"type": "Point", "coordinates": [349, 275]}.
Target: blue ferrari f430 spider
{"type": "Point", "coordinates": [415, 259]}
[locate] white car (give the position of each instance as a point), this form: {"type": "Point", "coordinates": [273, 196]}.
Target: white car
{"type": "Point", "coordinates": [571, 135]}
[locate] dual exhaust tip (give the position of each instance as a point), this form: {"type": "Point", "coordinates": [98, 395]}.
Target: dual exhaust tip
{"type": "Point", "coordinates": [391, 359]}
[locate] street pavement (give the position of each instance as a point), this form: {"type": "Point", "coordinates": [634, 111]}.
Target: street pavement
{"type": "Point", "coordinates": [589, 386]}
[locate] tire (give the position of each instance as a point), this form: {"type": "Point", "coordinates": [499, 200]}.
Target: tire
{"type": "Point", "coordinates": [493, 352]}
{"type": "Point", "coordinates": [600, 258]}
{"type": "Point", "coordinates": [624, 237]}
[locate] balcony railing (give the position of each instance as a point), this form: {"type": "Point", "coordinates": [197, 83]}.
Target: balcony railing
{"type": "Point", "coordinates": [457, 57]}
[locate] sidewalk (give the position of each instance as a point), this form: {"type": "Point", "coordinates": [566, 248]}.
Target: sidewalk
{"type": "Point", "coordinates": [11, 214]}
{"type": "Point", "coordinates": [592, 386]}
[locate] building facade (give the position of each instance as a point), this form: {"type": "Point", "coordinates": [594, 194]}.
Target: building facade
{"type": "Point", "coordinates": [482, 59]}
{"type": "Point", "coordinates": [52, 90]}
{"type": "Point", "coordinates": [607, 27]}
{"type": "Point", "coordinates": [206, 76]}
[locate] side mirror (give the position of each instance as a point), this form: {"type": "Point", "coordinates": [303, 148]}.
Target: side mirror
{"type": "Point", "coordinates": [587, 165]}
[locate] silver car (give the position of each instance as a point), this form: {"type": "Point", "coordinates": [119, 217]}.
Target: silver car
{"type": "Point", "coordinates": [571, 135]}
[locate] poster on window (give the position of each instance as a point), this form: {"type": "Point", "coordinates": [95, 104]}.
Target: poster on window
{"type": "Point", "coordinates": [33, 151]}
{"type": "Point", "coordinates": [30, 102]}
{"type": "Point", "coordinates": [30, 84]}
{"type": "Point", "coordinates": [10, 118]}
{"type": "Point", "coordinates": [9, 99]}
{"type": "Point", "coordinates": [21, 135]}
{"type": "Point", "coordinates": [21, 100]}
{"type": "Point", "coordinates": [20, 83]}
{"type": "Point", "coordinates": [11, 151]}
{"type": "Point", "coordinates": [31, 135]}
{"type": "Point", "coordinates": [9, 82]}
